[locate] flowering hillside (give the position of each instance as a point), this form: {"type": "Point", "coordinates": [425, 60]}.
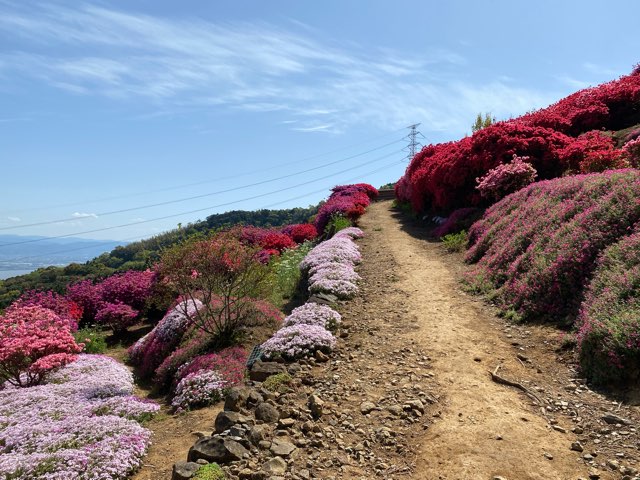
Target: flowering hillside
{"type": "Point", "coordinates": [537, 250]}
{"type": "Point", "coordinates": [565, 137]}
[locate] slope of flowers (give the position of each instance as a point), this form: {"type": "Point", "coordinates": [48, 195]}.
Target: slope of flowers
{"type": "Point", "coordinates": [81, 424]}
{"type": "Point", "coordinates": [563, 137]}
{"type": "Point", "coordinates": [349, 201]}
{"type": "Point", "coordinates": [538, 246]}
{"type": "Point", "coordinates": [609, 321]}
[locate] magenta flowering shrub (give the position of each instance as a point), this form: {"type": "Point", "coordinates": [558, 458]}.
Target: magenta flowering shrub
{"type": "Point", "coordinates": [88, 296]}
{"type": "Point", "coordinates": [131, 288]}
{"type": "Point", "coordinates": [81, 424]}
{"type": "Point", "coordinates": [298, 341]}
{"type": "Point", "coordinates": [632, 151]}
{"type": "Point", "coordinates": [63, 307]}
{"type": "Point", "coordinates": [33, 342]}
{"type": "Point", "coordinates": [460, 219]}
{"type": "Point", "coordinates": [507, 178]}
{"type": "Point", "coordinates": [349, 201]}
{"type": "Point", "coordinates": [314, 314]}
{"type": "Point", "coordinates": [609, 320]}
{"type": "Point", "coordinates": [228, 363]}
{"type": "Point", "coordinates": [118, 316]}
{"type": "Point", "coordinates": [537, 248]}
{"type": "Point", "coordinates": [198, 389]}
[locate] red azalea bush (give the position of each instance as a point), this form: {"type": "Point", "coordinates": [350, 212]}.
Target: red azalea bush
{"type": "Point", "coordinates": [537, 247]}
{"type": "Point", "coordinates": [350, 201]}
{"type": "Point", "coordinates": [33, 341]}
{"type": "Point", "coordinates": [507, 178]}
{"type": "Point", "coordinates": [277, 241]}
{"type": "Point", "coordinates": [609, 321]}
{"type": "Point", "coordinates": [442, 176]}
{"type": "Point", "coordinates": [118, 316]}
{"type": "Point", "coordinates": [63, 307]}
{"type": "Point", "coordinates": [301, 232]}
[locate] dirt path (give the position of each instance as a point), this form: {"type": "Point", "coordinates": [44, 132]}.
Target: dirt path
{"type": "Point", "coordinates": [485, 429]}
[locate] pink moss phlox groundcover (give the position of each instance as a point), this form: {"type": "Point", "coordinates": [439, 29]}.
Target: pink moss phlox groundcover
{"type": "Point", "coordinates": [298, 341]}
{"type": "Point", "coordinates": [314, 314]}
{"type": "Point", "coordinates": [198, 389]}
{"type": "Point", "coordinates": [81, 424]}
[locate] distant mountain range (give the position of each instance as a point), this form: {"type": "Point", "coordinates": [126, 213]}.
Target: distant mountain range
{"type": "Point", "coordinates": [22, 252]}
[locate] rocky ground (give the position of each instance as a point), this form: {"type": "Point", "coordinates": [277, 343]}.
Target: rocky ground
{"type": "Point", "coordinates": [409, 392]}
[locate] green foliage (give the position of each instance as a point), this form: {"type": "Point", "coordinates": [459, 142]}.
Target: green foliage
{"type": "Point", "coordinates": [284, 273]}
{"type": "Point", "coordinates": [94, 339]}
{"type": "Point", "coordinates": [144, 253]}
{"type": "Point", "coordinates": [455, 242]}
{"type": "Point", "coordinates": [211, 471]}
{"type": "Point", "coordinates": [388, 186]}
{"type": "Point", "coordinates": [482, 122]}
{"type": "Point", "coordinates": [337, 223]}
{"type": "Point", "coordinates": [404, 207]}
{"type": "Point", "coordinates": [278, 383]}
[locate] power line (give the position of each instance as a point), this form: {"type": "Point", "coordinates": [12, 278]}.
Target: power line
{"type": "Point", "coordinates": [204, 195]}
{"type": "Point", "coordinates": [204, 182]}
{"type": "Point", "coordinates": [201, 209]}
{"type": "Point", "coordinates": [307, 194]}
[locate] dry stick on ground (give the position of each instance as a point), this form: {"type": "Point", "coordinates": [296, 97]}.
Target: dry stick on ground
{"type": "Point", "coordinates": [503, 381]}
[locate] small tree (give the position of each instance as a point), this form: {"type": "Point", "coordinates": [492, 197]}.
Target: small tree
{"type": "Point", "coordinates": [482, 122]}
{"type": "Point", "coordinates": [33, 341]}
{"type": "Point", "coordinates": [225, 275]}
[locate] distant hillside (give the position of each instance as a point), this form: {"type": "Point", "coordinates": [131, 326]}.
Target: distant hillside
{"type": "Point", "coordinates": [136, 255]}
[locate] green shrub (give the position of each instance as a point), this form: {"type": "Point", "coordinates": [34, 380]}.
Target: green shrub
{"type": "Point", "coordinates": [94, 339]}
{"type": "Point", "coordinates": [211, 471]}
{"type": "Point", "coordinates": [337, 223]}
{"type": "Point", "coordinates": [285, 274]}
{"type": "Point", "coordinates": [455, 242]}
{"type": "Point", "coordinates": [278, 383]}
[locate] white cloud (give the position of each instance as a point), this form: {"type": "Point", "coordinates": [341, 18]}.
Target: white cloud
{"type": "Point", "coordinates": [186, 64]}
{"type": "Point", "coordinates": [84, 215]}
{"type": "Point", "coordinates": [14, 219]}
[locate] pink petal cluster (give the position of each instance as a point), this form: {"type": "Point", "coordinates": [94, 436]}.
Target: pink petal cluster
{"type": "Point", "coordinates": [81, 424]}
{"type": "Point", "coordinates": [349, 201]}
{"type": "Point", "coordinates": [507, 178]}
{"type": "Point", "coordinates": [298, 341]}
{"type": "Point", "coordinates": [314, 314]}
{"type": "Point", "coordinates": [198, 389]}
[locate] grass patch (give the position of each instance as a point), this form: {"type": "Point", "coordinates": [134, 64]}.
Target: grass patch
{"type": "Point", "coordinates": [211, 471]}
{"type": "Point", "coordinates": [278, 383]}
{"type": "Point", "coordinates": [94, 339]}
{"type": "Point", "coordinates": [455, 242]}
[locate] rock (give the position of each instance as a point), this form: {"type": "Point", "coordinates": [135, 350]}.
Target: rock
{"type": "Point", "coordinates": [395, 410]}
{"type": "Point", "coordinates": [548, 456]}
{"type": "Point", "coordinates": [254, 399]}
{"type": "Point", "coordinates": [498, 477]}
{"type": "Point", "coordinates": [558, 428]}
{"type": "Point", "coordinates": [323, 298]}
{"type": "Point", "coordinates": [267, 413]}
{"type": "Point", "coordinates": [260, 370]}
{"type": "Point", "coordinates": [316, 405]}
{"type": "Point", "coordinates": [275, 466]}
{"type": "Point", "coordinates": [256, 434]}
{"type": "Point", "coordinates": [282, 448]}
{"type": "Point", "coordinates": [416, 405]}
{"type": "Point", "coordinates": [217, 449]}
{"type": "Point", "coordinates": [367, 407]}
{"type": "Point", "coordinates": [227, 419]}
{"type": "Point", "coordinates": [613, 464]}
{"type": "Point", "coordinates": [184, 470]}
{"type": "Point", "coordinates": [577, 447]}
{"type": "Point", "coordinates": [612, 419]}
{"type": "Point", "coordinates": [321, 357]}
{"type": "Point", "coordinates": [236, 399]}
{"type": "Point", "coordinates": [285, 423]}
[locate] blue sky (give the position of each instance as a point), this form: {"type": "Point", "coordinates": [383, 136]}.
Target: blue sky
{"type": "Point", "coordinates": [114, 105]}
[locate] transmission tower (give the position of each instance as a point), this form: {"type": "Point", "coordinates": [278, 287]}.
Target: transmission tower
{"type": "Point", "coordinates": [413, 138]}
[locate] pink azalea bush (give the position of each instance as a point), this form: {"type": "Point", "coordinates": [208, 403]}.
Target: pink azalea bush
{"type": "Point", "coordinates": [314, 314]}
{"type": "Point", "coordinates": [632, 151]}
{"type": "Point", "coordinates": [228, 363]}
{"type": "Point", "coordinates": [118, 316]}
{"type": "Point", "coordinates": [507, 178]}
{"type": "Point", "coordinates": [63, 307]}
{"type": "Point", "coordinates": [538, 247]}
{"type": "Point", "coordinates": [609, 320]}
{"type": "Point", "coordinates": [82, 423]}
{"type": "Point", "coordinates": [33, 341]}
{"type": "Point", "coordinates": [298, 341]}
{"type": "Point", "coordinates": [349, 201]}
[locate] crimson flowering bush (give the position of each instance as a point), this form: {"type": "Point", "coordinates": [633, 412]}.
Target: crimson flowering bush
{"type": "Point", "coordinates": [349, 201]}
{"type": "Point", "coordinates": [460, 219]}
{"type": "Point", "coordinates": [507, 178]}
{"type": "Point", "coordinates": [442, 176]}
{"type": "Point", "coordinates": [33, 342]}
{"type": "Point", "coordinates": [87, 296]}
{"type": "Point", "coordinates": [609, 320]}
{"type": "Point", "coordinates": [301, 232]}
{"type": "Point", "coordinates": [81, 424]}
{"type": "Point", "coordinates": [60, 305]}
{"type": "Point", "coordinates": [537, 248]}
{"type": "Point", "coordinates": [118, 316]}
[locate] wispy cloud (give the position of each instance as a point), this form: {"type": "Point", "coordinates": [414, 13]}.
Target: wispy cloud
{"type": "Point", "coordinates": [14, 219]}
{"type": "Point", "coordinates": [184, 64]}
{"type": "Point", "coordinates": [84, 215]}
